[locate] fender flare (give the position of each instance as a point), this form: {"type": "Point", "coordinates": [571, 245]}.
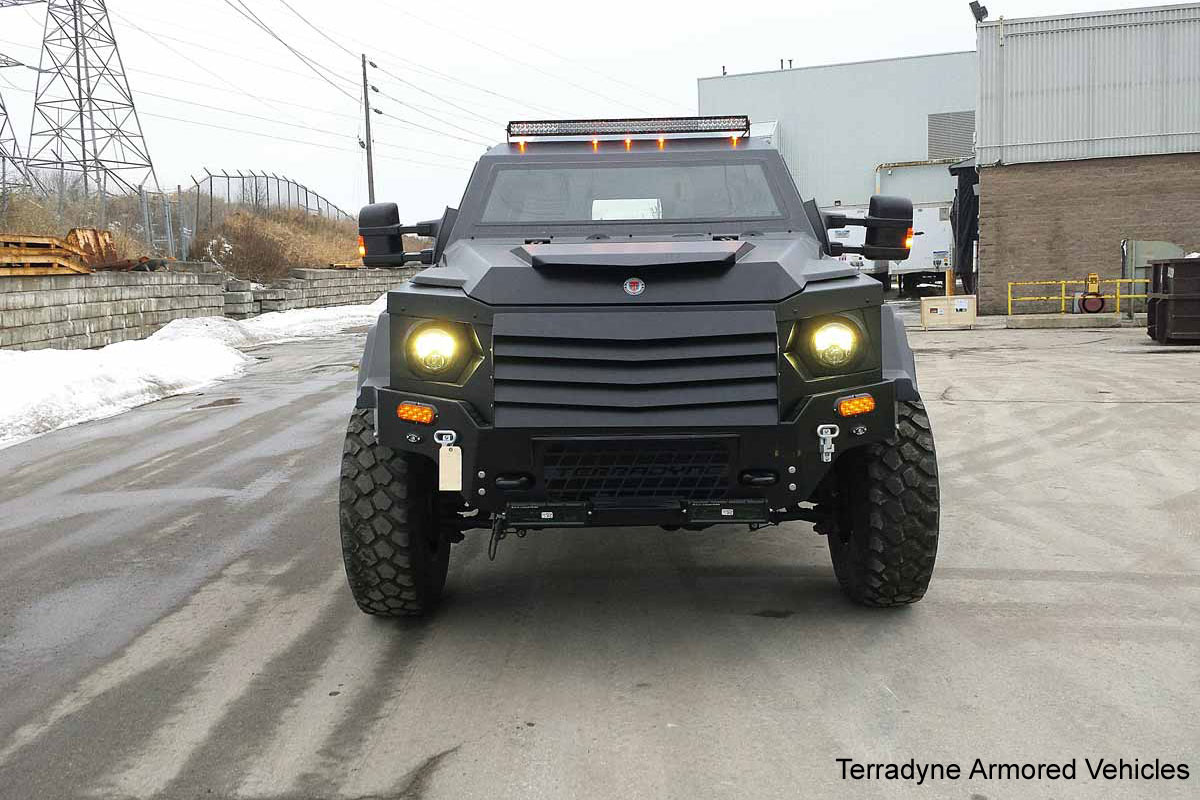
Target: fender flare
{"type": "Point", "coordinates": [375, 367]}
{"type": "Point", "coordinates": [899, 363]}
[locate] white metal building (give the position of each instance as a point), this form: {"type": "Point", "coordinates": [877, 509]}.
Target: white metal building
{"type": "Point", "coordinates": [1088, 136]}
{"type": "Point", "coordinates": [847, 131]}
{"type": "Point", "coordinates": [1097, 85]}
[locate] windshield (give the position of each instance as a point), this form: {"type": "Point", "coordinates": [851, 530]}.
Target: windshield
{"type": "Point", "coordinates": [598, 194]}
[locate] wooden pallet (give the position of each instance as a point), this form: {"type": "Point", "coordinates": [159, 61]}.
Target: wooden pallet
{"type": "Point", "coordinates": [44, 265]}
{"type": "Point", "coordinates": [23, 254]}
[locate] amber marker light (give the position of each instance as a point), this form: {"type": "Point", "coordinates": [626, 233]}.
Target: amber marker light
{"type": "Point", "coordinates": [662, 143]}
{"type": "Point", "coordinates": [908, 239]}
{"type": "Point", "coordinates": [856, 406]}
{"type": "Point", "coordinates": [362, 247]}
{"type": "Point", "coordinates": [733, 140]}
{"type": "Point", "coordinates": [521, 145]}
{"type": "Point", "coordinates": [416, 412]}
{"type": "Point", "coordinates": [595, 145]}
{"type": "Point", "coordinates": [629, 144]}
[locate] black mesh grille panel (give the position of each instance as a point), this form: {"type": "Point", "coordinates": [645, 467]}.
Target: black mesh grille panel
{"type": "Point", "coordinates": [644, 469]}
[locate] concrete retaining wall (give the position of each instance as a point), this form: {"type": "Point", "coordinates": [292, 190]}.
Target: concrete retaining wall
{"type": "Point", "coordinates": [312, 288]}
{"type": "Point", "coordinates": [80, 311]}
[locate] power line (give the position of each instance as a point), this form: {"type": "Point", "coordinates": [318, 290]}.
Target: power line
{"type": "Point", "coordinates": [220, 109]}
{"type": "Point", "coordinates": [326, 36]}
{"type": "Point", "coordinates": [313, 65]}
{"type": "Point", "coordinates": [515, 60]}
{"type": "Point", "coordinates": [348, 51]}
{"type": "Point", "coordinates": [309, 108]}
{"type": "Point", "coordinates": [412, 124]}
{"type": "Point", "coordinates": [640, 90]}
{"type": "Point", "coordinates": [439, 133]}
{"type": "Point", "coordinates": [448, 77]}
{"type": "Point", "coordinates": [240, 57]}
{"type": "Point", "coordinates": [434, 95]}
{"type": "Point", "coordinates": [424, 152]}
{"type": "Point", "coordinates": [428, 114]}
{"type": "Point", "coordinates": [274, 137]}
{"type": "Point", "coordinates": [317, 69]}
{"type": "Point", "coordinates": [196, 63]}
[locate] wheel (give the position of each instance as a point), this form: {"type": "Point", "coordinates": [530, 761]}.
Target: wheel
{"type": "Point", "coordinates": [885, 533]}
{"type": "Point", "coordinates": [396, 553]}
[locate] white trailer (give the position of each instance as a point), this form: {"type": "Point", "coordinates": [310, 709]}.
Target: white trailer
{"type": "Point", "coordinates": [932, 251]}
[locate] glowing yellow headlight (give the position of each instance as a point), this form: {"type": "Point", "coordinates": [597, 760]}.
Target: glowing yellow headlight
{"type": "Point", "coordinates": [434, 349]}
{"type": "Point", "coordinates": [834, 344]}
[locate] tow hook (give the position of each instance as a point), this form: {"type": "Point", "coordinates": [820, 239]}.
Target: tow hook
{"type": "Point", "coordinates": [825, 435]}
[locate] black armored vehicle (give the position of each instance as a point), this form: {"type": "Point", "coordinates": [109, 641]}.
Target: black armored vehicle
{"type": "Point", "coordinates": [635, 323]}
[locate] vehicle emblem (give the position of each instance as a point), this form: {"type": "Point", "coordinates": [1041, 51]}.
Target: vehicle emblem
{"type": "Point", "coordinates": [861, 430]}
{"type": "Point", "coordinates": [635, 286]}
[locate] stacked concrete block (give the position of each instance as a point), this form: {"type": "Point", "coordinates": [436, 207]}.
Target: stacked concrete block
{"type": "Point", "coordinates": [80, 311]}
{"type": "Point", "coordinates": [315, 288]}
{"type": "Point", "coordinates": [240, 305]}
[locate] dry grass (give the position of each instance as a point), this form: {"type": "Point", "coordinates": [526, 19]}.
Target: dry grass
{"type": "Point", "coordinates": [40, 217]}
{"type": "Point", "coordinates": [264, 246]}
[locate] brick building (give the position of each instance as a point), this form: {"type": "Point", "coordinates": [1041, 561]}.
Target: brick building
{"type": "Point", "coordinates": [1088, 133]}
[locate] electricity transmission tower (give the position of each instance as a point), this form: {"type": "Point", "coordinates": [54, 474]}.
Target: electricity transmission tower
{"type": "Point", "coordinates": [12, 166]}
{"type": "Point", "coordinates": [84, 119]}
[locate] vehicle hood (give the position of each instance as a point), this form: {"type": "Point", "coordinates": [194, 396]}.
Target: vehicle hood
{"type": "Point", "coordinates": [759, 269]}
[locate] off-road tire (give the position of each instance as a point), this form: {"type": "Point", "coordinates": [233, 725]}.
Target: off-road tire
{"type": "Point", "coordinates": [885, 533]}
{"type": "Point", "coordinates": [395, 552]}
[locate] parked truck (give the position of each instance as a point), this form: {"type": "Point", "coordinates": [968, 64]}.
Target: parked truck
{"type": "Point", "coordinates": [636, 322]}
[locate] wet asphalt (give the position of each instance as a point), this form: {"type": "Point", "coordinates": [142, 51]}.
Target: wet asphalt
{"type": "Point", "coordinates": [174, 620]}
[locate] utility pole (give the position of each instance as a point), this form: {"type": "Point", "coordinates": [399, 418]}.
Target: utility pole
{"type": "Point", "coordinates": [370, 151]}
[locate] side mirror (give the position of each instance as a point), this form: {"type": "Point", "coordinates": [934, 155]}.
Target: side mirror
{"type": "Point", "coordinates": [381, 237]}
{"type": "Point", "coordinates": [890, 239]}
{"type": "Point", "coordinates": [889, 224]}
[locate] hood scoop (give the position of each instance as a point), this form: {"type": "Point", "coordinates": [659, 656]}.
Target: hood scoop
{"type": "Point", "coordinates": [633, 255]}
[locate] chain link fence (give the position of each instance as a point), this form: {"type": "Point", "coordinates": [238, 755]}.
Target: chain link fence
{"type": "Point", "coordinates": [166, 221]}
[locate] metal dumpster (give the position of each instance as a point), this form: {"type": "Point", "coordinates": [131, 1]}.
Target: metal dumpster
{"type": "Point", "coordinates": [1173, 302]}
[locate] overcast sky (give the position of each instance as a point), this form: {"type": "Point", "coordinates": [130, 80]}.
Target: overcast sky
{"type": "Point", "coordinates": [460, 67]}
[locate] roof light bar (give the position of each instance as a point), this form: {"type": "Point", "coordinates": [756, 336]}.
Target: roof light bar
{"type": "Point", "coordinates": [592, 130]}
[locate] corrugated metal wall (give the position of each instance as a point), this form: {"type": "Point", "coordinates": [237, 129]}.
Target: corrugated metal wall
{"type": "Point", "coordinates": [838, 122]}
{"type": "Point", "coordinates": [1113, 83]}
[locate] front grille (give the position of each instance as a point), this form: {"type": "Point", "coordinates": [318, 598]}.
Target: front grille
{"type": "Point", "coordinates": [641, 469]}
{"type": "Point", "coordinates": [625, 368]}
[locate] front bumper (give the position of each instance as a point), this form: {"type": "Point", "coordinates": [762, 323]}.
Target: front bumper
{"type": "Point", "coordinates": [662, 487]}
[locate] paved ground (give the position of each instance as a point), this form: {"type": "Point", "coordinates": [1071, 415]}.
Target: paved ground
{"type": "Point", "coordinates": [173, 619]}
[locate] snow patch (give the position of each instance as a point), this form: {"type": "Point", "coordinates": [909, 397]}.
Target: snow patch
{"type": "Point", "coordinates": [50, 389]}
